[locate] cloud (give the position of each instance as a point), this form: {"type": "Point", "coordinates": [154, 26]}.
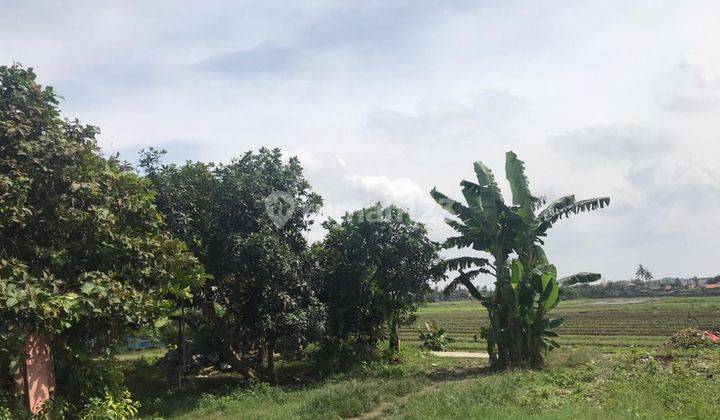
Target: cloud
{"type": "Point", "coordinates": [691, 91]}
{"type": "Point", "coordinates": [607, 144]}
{"type": "Point", "coordinates": [262, 59]}
{"type": "Point", "coordinates": [400, 191]}
{"type": "Point", "coordinates": [443, 121]}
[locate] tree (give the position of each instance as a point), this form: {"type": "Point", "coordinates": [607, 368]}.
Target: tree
{"type": "Point", "coordinates": [244, 221]}
{"type": "Point", "coordinates": [84, 255]}
{"type": "Point", "coordinates": [526, 287]}
{"type": "Point", "coordinates": [642, 274]}
{"type": "Point", "coordinates": [376, 269]}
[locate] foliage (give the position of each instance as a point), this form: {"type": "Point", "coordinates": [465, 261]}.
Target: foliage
{"type": "Point", "coordinates": [111, 408]}
{"type": "Point", "coordinates": [84, 256]}
{"type": "Point", "coordinates": [375, 268]}
{"type": "Point", "coordinates": [526, 287]}
{"type": "Point", "coordinates": [579, 383]}
{"type": "Point", "coordinates": [260, 289]}
{"type": "Point", "coordinates": [433, 337]}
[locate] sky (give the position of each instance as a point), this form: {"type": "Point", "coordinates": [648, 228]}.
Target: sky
{"type": "Point", "coordinates": [384, 100]}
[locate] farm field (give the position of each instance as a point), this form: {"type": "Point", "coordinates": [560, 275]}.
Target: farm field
{"type": "Point", "coordinates": [607, 324]}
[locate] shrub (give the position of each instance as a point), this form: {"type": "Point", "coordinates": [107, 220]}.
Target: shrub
{"type": "Point", "coordinates": [111, 408]}
{"type": "Point", "coordinates": [433, 337]}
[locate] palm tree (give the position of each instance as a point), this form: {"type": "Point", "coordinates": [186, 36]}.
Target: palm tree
{"type": "Point", "coordinates": [526, 287]}
{"type": "Point", "coordinates": [643, 274]}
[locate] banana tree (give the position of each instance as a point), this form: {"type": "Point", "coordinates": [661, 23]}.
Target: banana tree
{"type": "Point", "coordinates": [526, 284]}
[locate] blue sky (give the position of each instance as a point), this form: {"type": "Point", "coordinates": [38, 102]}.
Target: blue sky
{"type": "Point", "coordinates": [382, 100]}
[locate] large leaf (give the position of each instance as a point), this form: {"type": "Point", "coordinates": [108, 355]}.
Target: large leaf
{"type": "Point", "coordinates": [452, 206]}
{"type": "Point", "coordinates": [462, 263]}
{"type": "Point", "coordinates": [551, 295]}
{"type": "Point", "coordinates": [515, 174]}
{"type": "Point", "coordinates": [572, 207]}
{"type": "Point", "coordinates": [516, 273]}
{"type": "Point", "coordinates": [465, 279]}
{"type": "Point", "coordinates": [579, 278]}
{"type": "Point", "coordinates": [556, 206]}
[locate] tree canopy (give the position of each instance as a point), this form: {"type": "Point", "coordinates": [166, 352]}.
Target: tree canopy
{"type": "Point", "coordinates": [376, 268]}
{"type": "Point", "coordinates": [244, 221]}
{"type": "Point", "coordinates": [84, 255]}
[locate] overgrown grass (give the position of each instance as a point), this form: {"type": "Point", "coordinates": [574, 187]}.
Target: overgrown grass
{"type": "Point", "coordinates": [581, 382]}
{"type": "Point", "coordinates": [640, 385]}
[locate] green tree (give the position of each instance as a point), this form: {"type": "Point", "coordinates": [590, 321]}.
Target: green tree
{"type": "Point", "coordinates": [260, 292]}
{"type": "Point", "coordinates": [526, 286]}
{"type": "Point", "coordinates": [376, 269]}
{"type": "Point", "coordinates": [84, 256]}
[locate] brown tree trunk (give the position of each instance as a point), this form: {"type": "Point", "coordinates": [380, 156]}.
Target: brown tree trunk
{"type": "Point", "coordinates": [394, 337]}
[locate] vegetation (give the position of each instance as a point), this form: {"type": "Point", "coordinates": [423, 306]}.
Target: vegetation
{"type": "Point", "coordinates": [375, 269]}
{"type": "Point", "coordinates": [526, 287]}
{"type": "Point", "coordinates": [433, 337]}
{"type": "Point", "coordinates": [577, 382]}
{"type": "Point", "coordinates": [83, 255]}
{"type": "Point", "coordinates": [260, 292]}
{"type": "Point", "coordinates": [607, 326]}
{"type": "Point", "coordinates": [93, 251]}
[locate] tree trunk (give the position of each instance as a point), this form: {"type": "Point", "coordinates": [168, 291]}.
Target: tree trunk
{"type": "Point", "coordinates": [394, 336]}
{"type": "Point", "coordinates": [271, 358]}
{"type": "Point", "coordinates": [181, 345]}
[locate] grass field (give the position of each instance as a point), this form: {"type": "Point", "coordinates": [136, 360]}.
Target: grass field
{"type": "Point", "coordinates": [608, 324]}
{"type": "Point", "coordinates": [638, 380]}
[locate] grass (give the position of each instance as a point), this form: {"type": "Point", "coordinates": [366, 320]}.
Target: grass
{"type": "Point", "coordinates": [644, 381]}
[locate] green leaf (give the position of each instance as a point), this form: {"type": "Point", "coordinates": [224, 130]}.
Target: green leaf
{"type": "Point", "coordinates": [515, 174]}
{"type": "Point", "coordinates": [579, 278]}
{"type": "Point", "coordinates": [554, 323]}
{"type": "Point", "coordinates": [161, 322]}
{"type": "Point", "coordinates": [87, 288]}
{"type": "Point", "coordinates": [516, 273]}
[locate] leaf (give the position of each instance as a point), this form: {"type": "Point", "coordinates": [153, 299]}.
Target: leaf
{"type": "Point", "coordinates": [580, 278]}
{"type": "Point", "coordinates": [515, 174]}
{"type": "Point", "coordinates": [560, 208]}
{"type": "Point", "coordinates": [550, 295]}
{"type": "Point", "coordinates": [11, 301]}
{"type": "Point", "coordinates": [87, 288]}
{"type": "Point", "coordinates": [161, 322]}
{"type": "Point", "coordinates": [554, 323]}
{"type": "Point", "coordinates": [452, 206]}
{"type": "Point", "coordinates": [465, 279]}
{"type": "Point", "coordinates": [516, 273]}
{"type": "Point", "coordinates": [461, 263]}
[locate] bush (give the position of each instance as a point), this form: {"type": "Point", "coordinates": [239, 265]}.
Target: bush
{"type": "Point", "coordinates": [111, 408]}
{"type": "Point", "coordinates": [434, 337]}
